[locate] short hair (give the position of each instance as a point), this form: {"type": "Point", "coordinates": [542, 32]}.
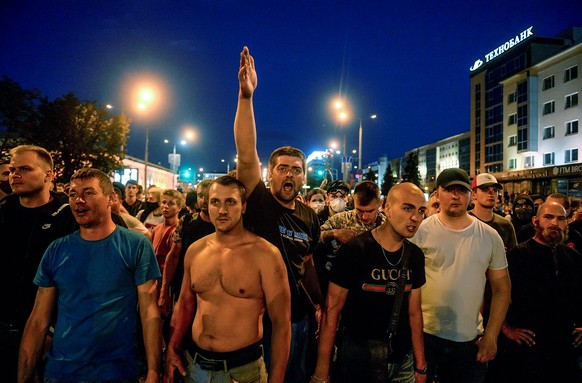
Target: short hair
{"type": "Point", "coordinates": [286, 151]}
{"type": "Point", "coordinates": [156, 191]}
{"type": "Point", "coordinates": [563, 197]}
{"type": "Point", "coordinates": [131, 182]}
{"type": "Point", "coordinates": [90, 173]}
{"type": "Point", "coordinates": [230, 181]}
{"type": "Point", "coordinates": [191, 199]}
{"type": "Point", "coordinates": [204, 185]}
{"type": "Point", "coordinates": [179, 197]}
{"type": "Point", "coordinates": [367, 191]}
{"type": "Point", "coordinates": [42, 153]}
{"type": "Point", "coordinates": [4, 160]}
{"type": "Point", "coordinates": [313, 192]}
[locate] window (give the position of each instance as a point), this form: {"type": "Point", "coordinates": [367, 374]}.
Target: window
{"type": "Point", "coordinates": [571, 127]}
{"type": "Point", "coordinates": [571, 155]}
{"type": "Point", "coordinates": [549, 158]}
{"type": "Point", "coordinates": [512, 163]}
{"type": "Point", "coordinates": [522, 92]}
{"type": "Point", "coordinates": [522, 115]}
{"type": "Point", "coordinates": [549, 132]}
{"type": "Point", "coordinates": [548, 83]}
{"type": "Point", "coordinates": [571, 100]}
{"type": "Point", "coordinates": [512, 119]}
{"type": "Point", "coordinates": [529, 161]}
{"type": "Point", "coordinates": [511, 98]}
{"type": "Point", "coordinates": [513, 140]}
{"type": "Point", "coordinates": [549, 107]}
{"type": "Point", "coordinates": [571, 73]}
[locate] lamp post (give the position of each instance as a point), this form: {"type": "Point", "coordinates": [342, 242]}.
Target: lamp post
{"type": "Point", "coordinates": [360, 143]}
{"type": "Point", "coordinates": [145, 99]}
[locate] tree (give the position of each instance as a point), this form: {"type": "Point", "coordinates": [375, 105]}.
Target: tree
{"type": "Point", "coordinates": [18, 114]}
{"type": "Point", "coordinates": [77, 133]}
{"type": "Point", "coordinates": [370, 176]}
{"type": "Point", "coordinates": [410, 172]}
{"type": "Point", "coordinates": [388, 181]}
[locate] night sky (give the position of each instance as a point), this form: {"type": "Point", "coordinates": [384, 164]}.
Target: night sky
{"type": "Point", "coordinates": [407, 62]}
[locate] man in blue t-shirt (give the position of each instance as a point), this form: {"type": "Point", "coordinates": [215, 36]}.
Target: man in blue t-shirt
{"type": "Point", "coordinates": [93, 279]}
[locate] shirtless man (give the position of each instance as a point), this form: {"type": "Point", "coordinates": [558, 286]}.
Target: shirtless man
{"type": "Point", "coordinates": [230, 277]}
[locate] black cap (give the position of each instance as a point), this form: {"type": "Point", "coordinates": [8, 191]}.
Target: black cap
{"type": "Point", "coordinates": [339, 185]}
{"type": "Point", "coordinates": [450, 177]}
{"type": "Point", "coordinates": [119, 186]}
{"type": "Point", "coordinates": [523, 199]}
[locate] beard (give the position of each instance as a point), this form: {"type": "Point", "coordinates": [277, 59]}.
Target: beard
{"type": "Point", "coordinates": [553, 235]}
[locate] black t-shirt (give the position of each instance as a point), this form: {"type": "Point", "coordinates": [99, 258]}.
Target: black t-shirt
{"type": "Point", "coordinates": [30, 231]}
{"type": "Point", "coordinates": [361, 268]}
{"type": "Point", "coordinates": [133, 209]}
{"type": "Point", "coordinates": [541, 301]}
{"type": "Point", "coordinates": [294, 232]}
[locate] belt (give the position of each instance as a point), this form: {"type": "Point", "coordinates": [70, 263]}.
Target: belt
{"type": "Point", "coordinates": [215, 361]}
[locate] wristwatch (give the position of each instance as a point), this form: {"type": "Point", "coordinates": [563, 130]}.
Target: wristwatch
{"type": "Point", "coordinates": [424, 371]}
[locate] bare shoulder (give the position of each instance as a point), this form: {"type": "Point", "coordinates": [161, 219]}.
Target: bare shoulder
{"type": "Point", "coordinates": [197, 247]}
{"type": "Point", "coordinates": [263, 248]}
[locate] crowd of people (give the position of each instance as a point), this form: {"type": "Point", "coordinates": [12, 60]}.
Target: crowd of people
{"type": "Point", "coordinates": [246, 281]}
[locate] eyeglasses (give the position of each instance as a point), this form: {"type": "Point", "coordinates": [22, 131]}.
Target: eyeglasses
{"type": "Point", "coordinates": [284, 170]}
{"type": "Point", "coordinates": [338, 193]}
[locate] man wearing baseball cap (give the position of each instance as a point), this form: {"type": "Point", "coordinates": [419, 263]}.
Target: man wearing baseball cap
{"type": "Point", "coordinates": [485, 189]}
{"type": "Point", "coordinates": [336, 200]}
{"type": "Point", "coordinates": [461, 252]}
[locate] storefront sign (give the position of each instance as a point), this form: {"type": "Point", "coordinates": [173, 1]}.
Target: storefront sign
{"type": "Point", "coordinates": [503, 48]}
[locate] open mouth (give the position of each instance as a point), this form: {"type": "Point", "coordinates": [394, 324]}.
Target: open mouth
{"type": "Point", "coordinates": [288, 186]}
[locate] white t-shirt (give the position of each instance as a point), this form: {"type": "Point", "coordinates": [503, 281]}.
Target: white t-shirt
{"type": "Point", "coordinates": [456, 262]}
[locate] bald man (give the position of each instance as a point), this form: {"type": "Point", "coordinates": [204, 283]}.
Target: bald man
{"type": "Point", "coordinates": [363, 283]}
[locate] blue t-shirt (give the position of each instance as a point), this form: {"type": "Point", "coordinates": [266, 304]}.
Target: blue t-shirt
{"type": "Point", "coordinates": [95, 330]}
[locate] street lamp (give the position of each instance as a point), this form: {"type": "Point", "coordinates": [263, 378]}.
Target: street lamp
{"type": "Point", "coordinates": [144, 101]}
{"type": "Point", "coordinates": [373, 116]}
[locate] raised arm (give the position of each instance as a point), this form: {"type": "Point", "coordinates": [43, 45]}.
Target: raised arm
{"type": "Point", "coordinates": [248, 170]}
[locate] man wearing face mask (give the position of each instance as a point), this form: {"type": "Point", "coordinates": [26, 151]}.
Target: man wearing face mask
{"type": "Point", "coordinates": [5, 188]}
{"type": "Point", "coordinates": [336, 200]}
{"type": "Point", "coordinates": [522, 211]}
{"type": "Point", "coordinates": [344, 226]}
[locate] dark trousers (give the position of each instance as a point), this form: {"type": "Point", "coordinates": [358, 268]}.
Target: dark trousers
{"type": "Point", "coordinates": [453, 362]}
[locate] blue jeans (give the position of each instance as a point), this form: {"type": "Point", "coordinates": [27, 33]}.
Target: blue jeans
{"type": "Point", "coordinates": [453, 362]}
{"type": "Point", "coordinates": [367, 361]}
{"type": "Point", "coordinates": [297, 364]}
{"type": "Point", "coordinates": [254, 372]}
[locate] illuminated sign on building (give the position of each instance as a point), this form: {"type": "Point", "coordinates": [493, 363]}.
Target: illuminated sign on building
{"type": "Point", "coordinates": [503, 48]}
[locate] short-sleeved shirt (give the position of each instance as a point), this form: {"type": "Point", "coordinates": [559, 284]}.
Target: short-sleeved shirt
{"type": "Point", "coordinates": [456, 263]}
{"type": "Point", "coordinates": [372, 277]}
{"type": "Point", "coordinates": [294, 232]}
{"type": "Point", "coordinates": [95, 330]}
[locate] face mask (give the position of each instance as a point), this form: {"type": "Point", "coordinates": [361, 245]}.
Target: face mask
{"type": "Point", "coordinates": [5, 187]}
{"type": "Point", "coordinates": [337, 205]}
{"type": "Point", "coordinates": [152, 205]}
{"type": "Point", "coordinates": [317, 206]}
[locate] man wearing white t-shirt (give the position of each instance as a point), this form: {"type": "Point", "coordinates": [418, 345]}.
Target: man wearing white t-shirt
{"type": "Point", "coordinates": [461, 253]}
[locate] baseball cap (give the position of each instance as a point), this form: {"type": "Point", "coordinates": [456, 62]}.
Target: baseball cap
{"type": "Point", "coordinates": [485, 180]}
{"type": "Point", "coordinates": [338, 185]}
{"type": "Point", "coordinates": [523, 199]}
{"type": "Point", "coordinates": [450, 177]}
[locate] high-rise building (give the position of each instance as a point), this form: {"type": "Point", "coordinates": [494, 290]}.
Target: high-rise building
{"type": "Point", "coordinates": [525, 113]}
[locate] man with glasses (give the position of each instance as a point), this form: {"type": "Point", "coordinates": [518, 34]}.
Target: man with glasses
{"type": "Point", "coordinates": [274, 214]}
{"type": "Point", "coordinates": [336, 200]}
{"type": "Point", "coordinates": [461, 252]}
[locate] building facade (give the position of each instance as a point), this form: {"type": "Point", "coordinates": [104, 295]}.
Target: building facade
{"type": "Point", "coordinates": [525, 113]}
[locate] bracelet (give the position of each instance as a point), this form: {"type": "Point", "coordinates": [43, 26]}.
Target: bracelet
{"type": "Point", "coordinates": [318, 380]}
{"type": "Point", "coordinates": [424, 371]}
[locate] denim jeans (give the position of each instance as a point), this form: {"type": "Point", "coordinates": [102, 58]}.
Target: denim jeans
{"type": "Point", "coordinates": [254, 372]}
{"type": "Point", "coordinates": [453, 362]}
{"type": "Point", "coordinates": [297, 363]}
{"type": "Point", "coordinates": [367, 361]}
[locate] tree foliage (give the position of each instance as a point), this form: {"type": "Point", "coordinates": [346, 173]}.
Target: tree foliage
{"type": "Point", "coordinates": [77, 133]}
{"type": "Point", "coordinates": [388, 181]}
{"type": "Point", "coordinates": [370, 176]}
{"type": "Point", "coordinates": [410, 172]}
